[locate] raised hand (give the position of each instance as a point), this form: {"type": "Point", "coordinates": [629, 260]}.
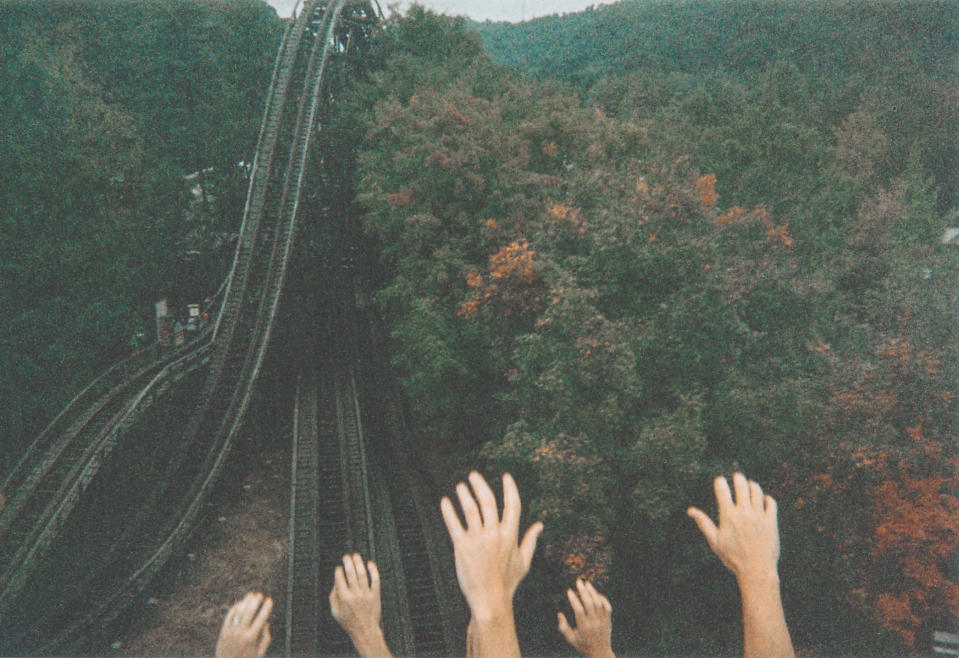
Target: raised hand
{"type": "Point", "coordinates": [355, 604]}
{"type": "Point", "coordinates": [747, 538]}
{"type": "Point", "coordinates": [592, 636]}
{"type": "Point", "coordinates": [245, 632]}
{"type": "Point", "coordinates": [747, 542]}
{"type": "Point", "coordinates": [489, 562]}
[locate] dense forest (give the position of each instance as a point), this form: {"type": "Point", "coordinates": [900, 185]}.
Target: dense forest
{"type": "Point", "coordinates": [616, 252]}
{"type": "Point", "coordinates": [677, 239]}
{"type": "Point", "coordinates": [104, 109]}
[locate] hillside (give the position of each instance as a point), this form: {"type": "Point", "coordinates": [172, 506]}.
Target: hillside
{"type": "Point", "coordinates": [821, 59]}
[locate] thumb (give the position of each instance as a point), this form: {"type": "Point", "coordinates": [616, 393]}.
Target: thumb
{"type": "Point", "coordinates": [264, 641]}
{"type": "Point", "coordinates": [564, 627]}
{"type": "Point", "coordinates": [706, 525]}
{"type": "Point", "coordinates": [528, 546]}
{"type": "Point", "coordinates": [334, 602]}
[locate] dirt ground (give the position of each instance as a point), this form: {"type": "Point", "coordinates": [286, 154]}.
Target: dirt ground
{"type": "Point", "coordinates": [240, 545]}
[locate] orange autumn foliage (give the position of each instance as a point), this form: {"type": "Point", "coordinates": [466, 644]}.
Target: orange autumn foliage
{"type": "Point", "coordinates": [904, 547]}
{"type": "Point", "coordinates": [457, 116]}
{"type": "Point", "coordinates": [569, 213]}
{"type": "Point", "coordinates": [510, 284]}
{"type": "Point", "coordinates": [706, 189]}
{"type": "Point", "coordinates": [401, 198]}
{"type": "Point", "coordinates": [514, 261]}
{"type": "Point", "coordinates": [918, 527]}
{"type": "Point", "coordinates": [778, 235]}
{"type": "Point", "coordinates": [585, 556]}
{"type": "Point", "coordinates": [734, 215]}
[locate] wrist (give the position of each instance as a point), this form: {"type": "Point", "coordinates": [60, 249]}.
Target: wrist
{"type": "Point", "coordinates": [370, 642]}
{"type": "Point", "coordinates": [759, 589]}
{"type": "Point", "coordinates": [604, 653]}
{"type": "Point", "coordinates": [758, 577]}
{"type": "Point", "coordinates": [491, 608]}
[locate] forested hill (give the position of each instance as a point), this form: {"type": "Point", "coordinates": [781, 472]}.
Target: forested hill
{"type": "Point", "coordinates": [859, 37]}
{"type": "Point", "coordinates": [761, 66]}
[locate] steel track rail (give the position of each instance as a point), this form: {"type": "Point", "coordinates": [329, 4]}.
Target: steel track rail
{"type": "Point", "coordinates": [432, 605]}
{"type": "Point", "coordinates": [88, 398]}
{"type": "Point", "coordinates": [346, 515]}
{"type": "Point", "coordinates": [303, 597]}
{"type": "Point", "coordinates": [265, 142]}
{"type": "Point", "coordinates": [72, 418]}
{"type": "Point", "coordinates": [431, 611]}
{"type": "Point", "coordinates": [82, 472]}
{"type": "Point", "coordinates": [75, 421]}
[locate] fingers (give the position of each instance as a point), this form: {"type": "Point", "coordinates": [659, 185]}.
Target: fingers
{"type": "Point", "coordinates": [353, 574]}
{"type": "Point", "coordinates": [487, 501]}
{"type": "Point", "coordinates": [585, 596]}
{"type": "Point", "coordinates": [770, 505]}
{"type": "Point", "coordinates": [603, 602]}
{"type": "Point", "coordinates": [724, 497]}
{"type": "Point", "coordinates": [600, 602]}
{"type": "Point", "coordinates": [452, 521]}
{"type": "Point", "coordinates": [705, 524]}
{"type": "Point", "coordinates": [741, 487]}
{"type": "Point", "coordinates": [339, 580]}
{"type": "Point", "coordinates": [228, 617]}
{"type": "Point", "coordinates": [468, 505]}
{"type": "Point", "coordinates": [362, 580]}
{"type": "Point", "coordinates": [260, 620]}
{"type": "Point", "coordinates": [374, 576]}
{"type": "Point", "coordinates": [349, 570]}
{"type": "Point", "coordinates": [755, 495]}
{"type": "Point", "coordinates": [512, 506]}
{"type": "Point", "coordinates": [527, 547]}
{"type": "Point", "coordinates": [248, 608]}
{"type": "Point", "coordinates": [576, 605]}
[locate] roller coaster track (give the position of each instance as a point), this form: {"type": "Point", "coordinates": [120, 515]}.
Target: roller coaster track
{"type": "Point", "coordinates": [46, 486]}
{"type": "Point", "coordinates": [74, 553]}
{"type": "Point", "coordinates": [355, 489]}
{"type": "Point", "coordinates": [330, 510]}
{"type": "Point", "coordinates": [87, 412]}
{"type": "Point", "coordinates": [337, 493]}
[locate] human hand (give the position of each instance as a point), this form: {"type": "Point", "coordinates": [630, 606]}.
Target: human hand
{"type": "Point", "coordinates": [355, 604]}
{"type": "Point", "coordinates": [747, 538]}
{"type": "Point", "coordinates": [245, 632]}
{"type": "Point", "coordinates": [489, 563]}
{"type": "Point", "coordinates": [592, 636]}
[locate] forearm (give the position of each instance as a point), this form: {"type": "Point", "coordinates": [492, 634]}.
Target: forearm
{"type": "Point", "coordinates": [764, 623]}
{"type": "Point", "coordinates": [370, 643]}
{"type": "Point", "coordinates": [494, 633]}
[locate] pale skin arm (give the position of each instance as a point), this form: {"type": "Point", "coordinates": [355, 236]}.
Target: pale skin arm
{"type": "Point", "coordinates": [489, 563]}
{"type": "Point", "coordinates": [592, 635]}
{"type": "Point", "coordinates": [470, 642]}
{"type": "Point", "coordinates": [747, 542]}
{"type": "Point", "coordinates": [245, 632]}
{"type": "Point", "coordinates": [355, 604]}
